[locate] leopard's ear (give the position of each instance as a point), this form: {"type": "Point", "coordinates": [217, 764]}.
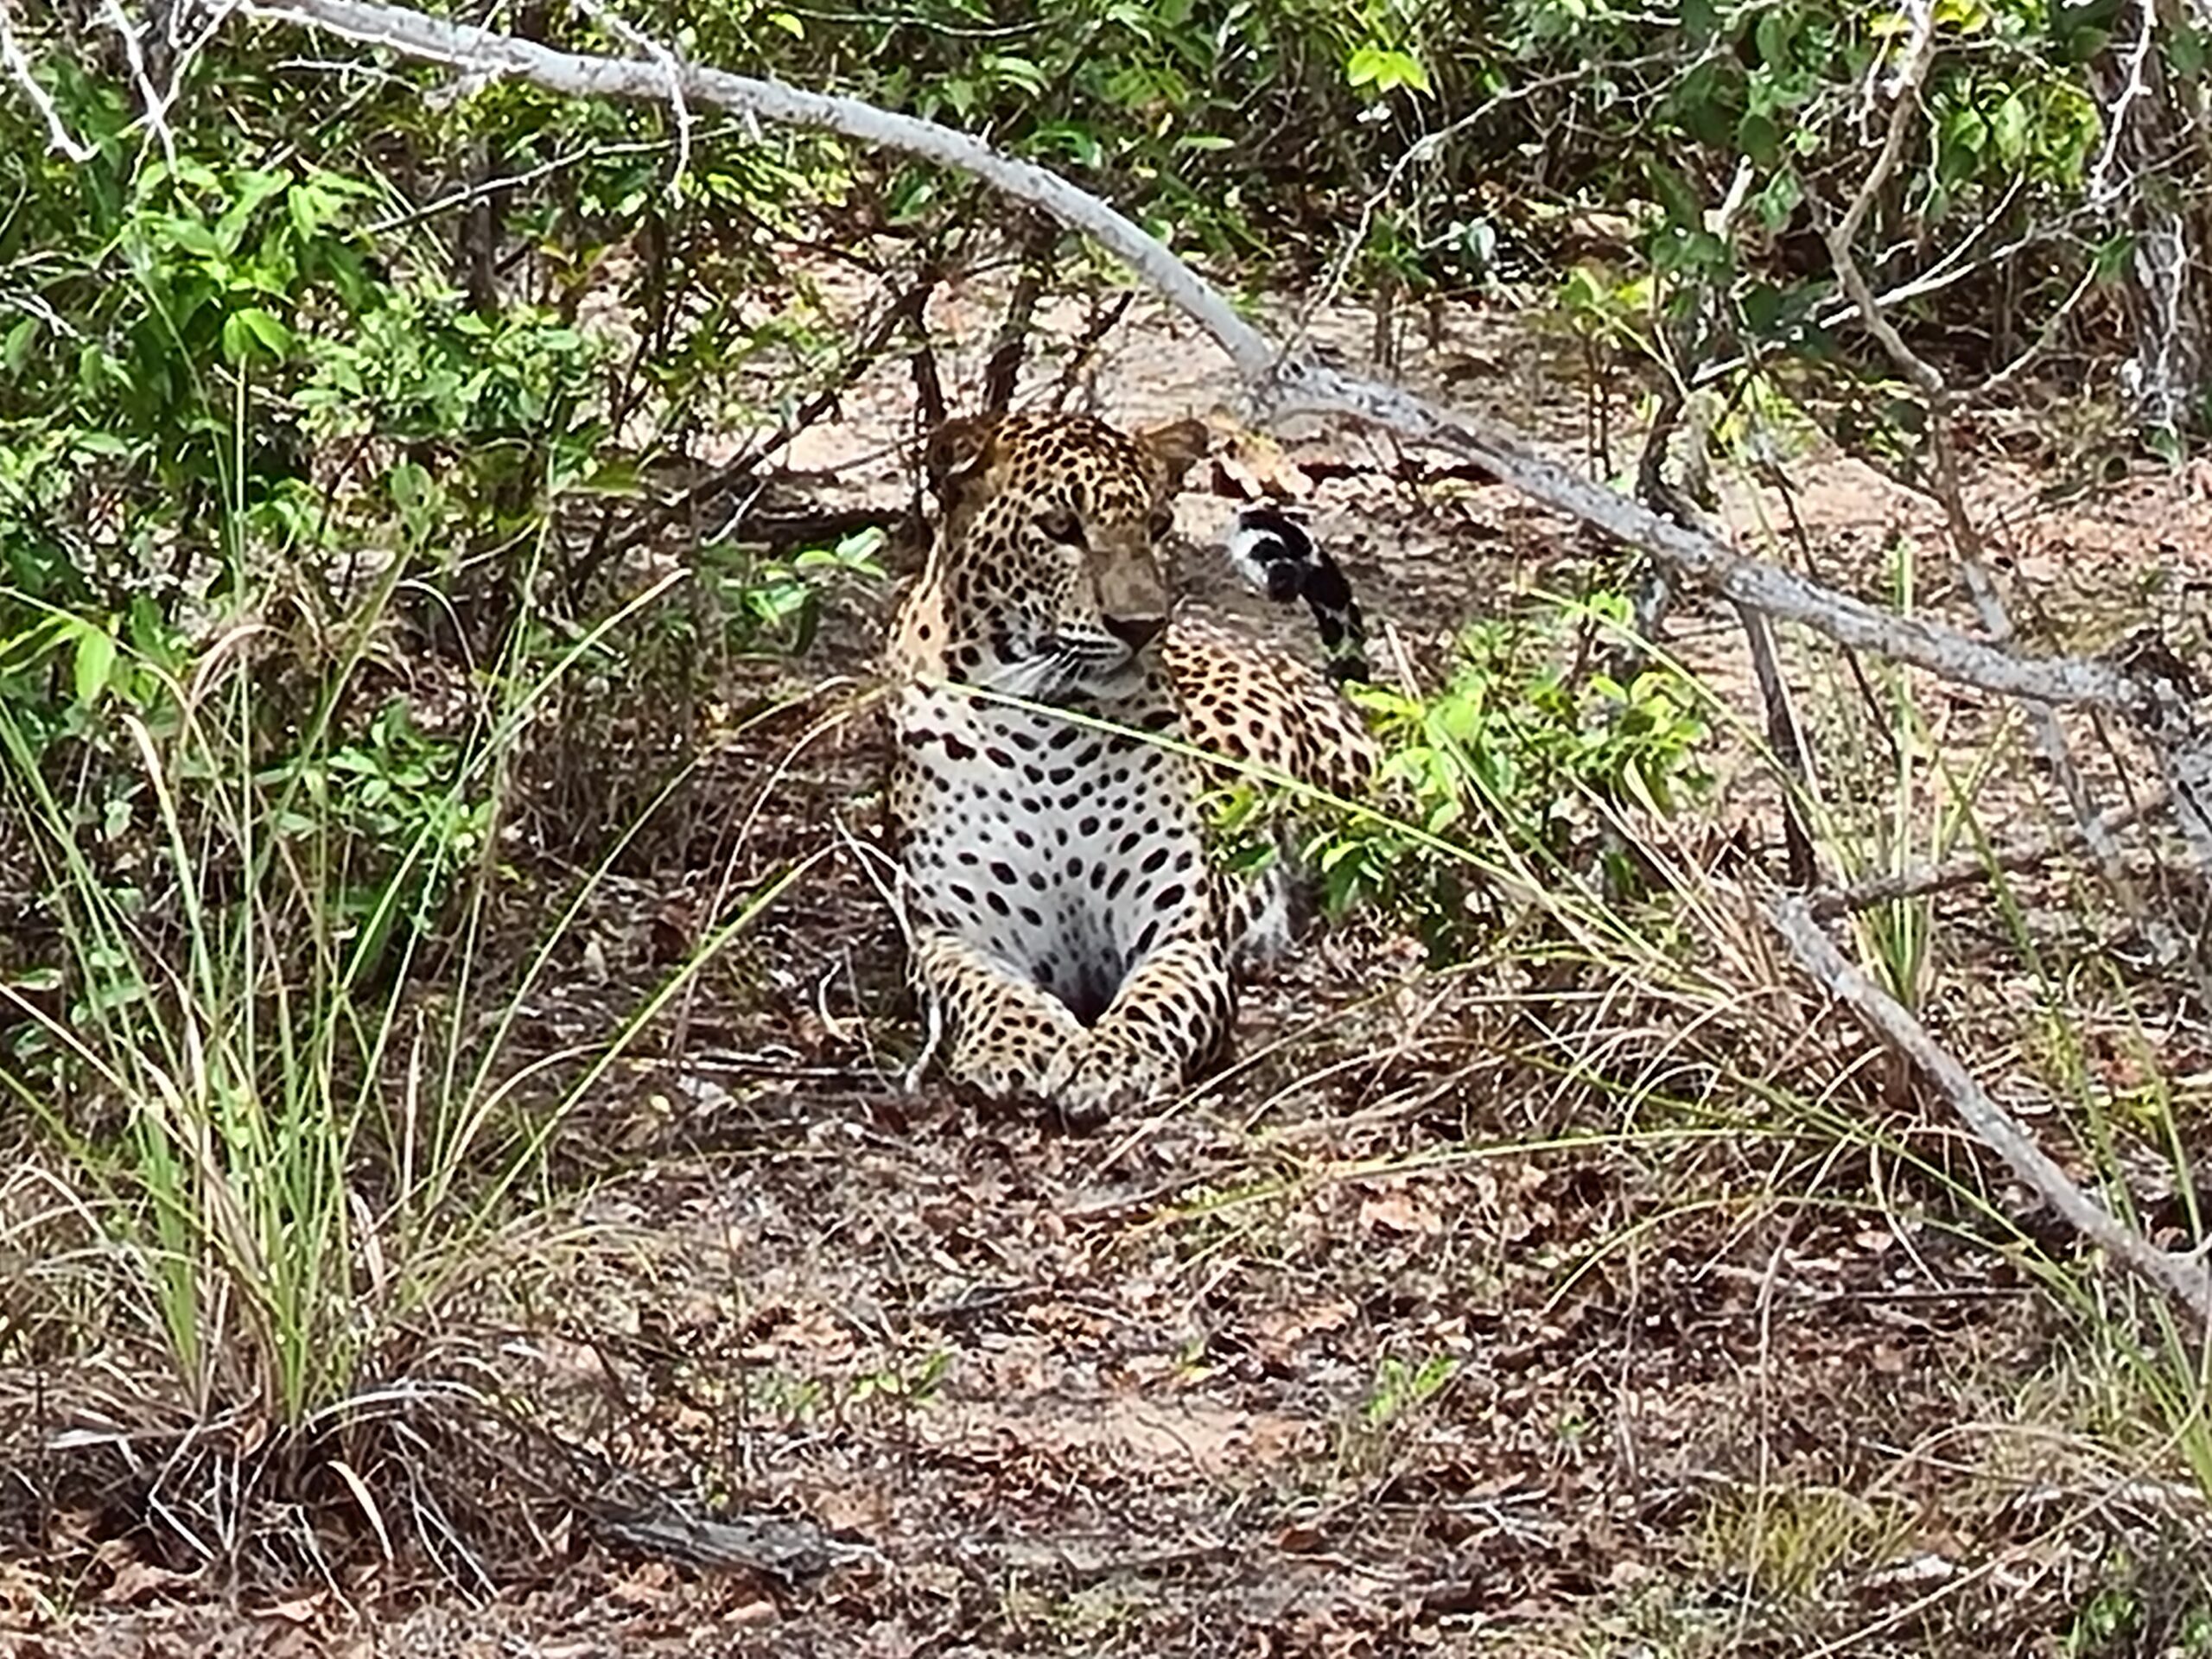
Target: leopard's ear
{"type": "Point", "coordinates": [1175, 448]}
{"type": "Point", "coordinates": [958, 448]}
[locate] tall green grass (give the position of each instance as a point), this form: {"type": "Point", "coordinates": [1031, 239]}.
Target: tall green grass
{"type": "Point", "coordinates": [1905, 786]}
{"type": "Point", "coordinates": [277, 1055]}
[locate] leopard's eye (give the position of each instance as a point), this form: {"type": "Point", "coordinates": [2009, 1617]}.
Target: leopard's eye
{"type": "Point", "coordinates": [1061, 526]}
{"type": "Point", "coordinates": [1161, 524]}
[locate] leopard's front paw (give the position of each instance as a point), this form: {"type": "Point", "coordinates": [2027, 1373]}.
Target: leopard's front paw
{"type": "Point", "coordinates": [1105, 1075]}
{"type": "Point", "coordinates": [1019, 1057]}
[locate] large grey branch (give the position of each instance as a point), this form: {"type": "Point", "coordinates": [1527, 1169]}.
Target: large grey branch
{"type": "Point", "coordinates": [2183, 1278]}
{"type": "Point", "coordinates": [1279, 384]}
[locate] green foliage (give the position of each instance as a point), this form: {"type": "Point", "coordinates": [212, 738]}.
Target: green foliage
{"type": "Point", "coordinates": [1402, 1397]}
{"type": "Point", "coordinates": [2157, 1605]}
{"type": "Point", "coordinates": [1386, 70]}
{"type": "Point", "coordinates": [285, 588]}
{"type": "Point", "coordinates": [392, 818]}
{"type": "Point", "coordinates": [289, 1151]}
{"type": "Point", "coordinates": [1525, 758]}
{"type": "Point", "coordinates": [1749, 132]}
{"type": "Point", "coordinates": [1401, 1390]}
{"type": "Point", "coordinates": [776, 605]}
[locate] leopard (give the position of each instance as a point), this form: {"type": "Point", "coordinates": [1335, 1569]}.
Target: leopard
{"type": "Point", "coordinates": [1057, 718]}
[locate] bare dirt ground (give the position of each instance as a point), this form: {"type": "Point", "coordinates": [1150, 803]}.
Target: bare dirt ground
{"type": "Point", "coordinates": [1400, 1338]}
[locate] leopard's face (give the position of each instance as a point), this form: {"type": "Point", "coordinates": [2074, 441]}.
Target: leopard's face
{"type": "Point", "coordinates": [1048, 578]}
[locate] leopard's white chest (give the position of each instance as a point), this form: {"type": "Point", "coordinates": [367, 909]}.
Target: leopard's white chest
{"type": "Point", "coordinates": [1064, 850]}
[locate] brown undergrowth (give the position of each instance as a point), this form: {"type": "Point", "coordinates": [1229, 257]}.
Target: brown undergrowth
{"type": "Point", "coordinates": [1604, 1294]}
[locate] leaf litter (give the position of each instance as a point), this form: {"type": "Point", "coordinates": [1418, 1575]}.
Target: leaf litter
{"type": "Point", "coordinates": [1398, 1340]}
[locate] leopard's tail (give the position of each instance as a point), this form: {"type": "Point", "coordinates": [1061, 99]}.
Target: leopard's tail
{"type": "Point", "coordinates": [1273, 552]}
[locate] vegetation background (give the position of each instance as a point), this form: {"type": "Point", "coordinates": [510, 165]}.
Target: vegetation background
{"type": "Point", "coordinates": [448, 1200]}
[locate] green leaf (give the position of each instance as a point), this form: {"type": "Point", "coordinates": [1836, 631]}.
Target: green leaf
{"type": "Point", "coordinates": [2009, 128]}
{"type": "Point", "coordinates": [1386, 69]}
{"type": "Point", "coordinates": [1020, 73]}
{"type": "Point", "coordinates": [192, 237]}
{"type": "Point", "coordinates": [1759, 139]}
{"type": "Point", "coordinates": [1776, 203]}
{"type": "Point", "coordinates": [2186, 50]}
{"type": "Point", "coordinates": [1080, 146]}
{"type": "Point", "coordinates": [268, 332]}
{"type": "Point", "coordinates": [1773, 35]}
{"type": "Point", "coordinates": [1761, 306]}
{"type": "Point", "coordinates": [1685, 211]}
{"type": "Point", "coordinates": [247, 192]}
{"type": "Point", "coordinates": [16, 351]}
{"type": "Point", "coordinates": [1706, 101]}
{"type": "Point", "coordinates": [95, 662]}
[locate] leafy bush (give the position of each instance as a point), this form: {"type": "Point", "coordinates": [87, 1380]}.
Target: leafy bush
{"type": "Point", "coordinates": [775, 605]}
{"type": "Point", "coordinates": [1524, 766]}
{"type": "Point", "coordinates": [288, 1146]}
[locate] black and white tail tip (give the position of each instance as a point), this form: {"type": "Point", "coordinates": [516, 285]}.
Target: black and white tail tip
{"type": "Point", "coordinates": [1273, 552]}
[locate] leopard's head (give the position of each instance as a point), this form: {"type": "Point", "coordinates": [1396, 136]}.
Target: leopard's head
{"type": "Point", "coordinates": [1049, 571]}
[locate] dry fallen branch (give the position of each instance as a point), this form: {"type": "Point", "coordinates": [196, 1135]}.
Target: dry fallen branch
{"type": "Point", "coordinates": [2185, 1278]}
{"type": "Point", "coordinates": [774, 1547]}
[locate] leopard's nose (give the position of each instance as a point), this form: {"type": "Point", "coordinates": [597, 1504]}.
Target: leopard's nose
{"type": "Point", "coordinates": [1135, 631]}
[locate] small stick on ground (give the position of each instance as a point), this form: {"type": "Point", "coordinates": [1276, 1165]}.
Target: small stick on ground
{"type": "Point", "coordinates": [1974, 867]}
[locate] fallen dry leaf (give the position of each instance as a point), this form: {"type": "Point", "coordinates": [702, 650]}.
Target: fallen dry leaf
{"type": "Point", "coordinates": [135, 1578]}
{"type": "Point", "coordinates": [1398, 1211]}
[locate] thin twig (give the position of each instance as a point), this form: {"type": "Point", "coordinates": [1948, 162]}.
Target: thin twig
{"type": "Point", "coordinates": [506, 182]}
{"type": "Point", "coordinates": [1953, 268]}
{"type": "Point", "coordinates": [1104, 318]}
{"type": "Point", "coordinates": [1681, 347]}
{"type": "Point", "coordinates": [156, 100]}
{"type": "Point", "coordinates": [903, 314]}
{"type": "Point", "coordinates": [629, 35]}
{"type": "Point", "coordinates": [1039, 239]}
{"type": "Point", "coordinates": [1969, 867]}
{"type": "Point", "coordinates": [17, 68]}
{"type": "Point", "coordinates": [1787, 739]}
{"type": "Point", "coordinates": [2136, 87]}
{"type": "Point", "coordinates": [1949, 488]}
